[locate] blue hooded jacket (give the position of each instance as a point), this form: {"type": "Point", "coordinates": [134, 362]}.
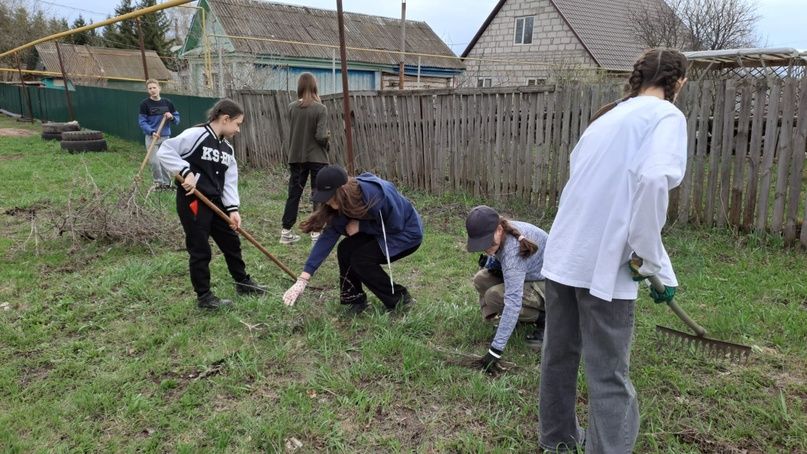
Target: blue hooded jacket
{"type": "Point", "coordinates": [401, 222]}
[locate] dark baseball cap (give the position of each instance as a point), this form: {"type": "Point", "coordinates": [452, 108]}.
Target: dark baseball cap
{"type": "Point", "coordinates": [481, 224]}
{"type": "Point", "coordinates": [329, 179]}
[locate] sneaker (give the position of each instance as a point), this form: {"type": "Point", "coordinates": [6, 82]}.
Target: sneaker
{"type": "Point", "coordinates": [535, 339]}
{"type": "Point", "coordinates": [249, 287]}
{"type": "Point", "coordinates": [355, 309]}
{"type": "Point", "coordinates": [211, 301]}
{"type": "Point", "coordinates": [314, 237]}
{"type": "Point", "coordinates": [288, 237]}
{"type": "Point", "coordinates": [404, 301]}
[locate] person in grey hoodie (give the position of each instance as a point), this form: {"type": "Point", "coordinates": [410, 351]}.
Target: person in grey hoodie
{"type": "Point", "coordinates": [308, 150]}
{"type": "Point", "coordinates": [518, 295]}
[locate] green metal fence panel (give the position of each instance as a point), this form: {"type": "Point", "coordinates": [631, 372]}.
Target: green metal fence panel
{"type": "Point", "coordinates": [109, 110]}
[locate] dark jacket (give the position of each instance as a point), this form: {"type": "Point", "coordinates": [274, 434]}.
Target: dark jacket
{"type": "Point", "coordinates": [308, 134]}
{"type": "Point", "coordinates": [151, 113]}
{"type": "Point", "coordinates": [200, 151]}
{"type": "Point", "coordinates": [400, 220]}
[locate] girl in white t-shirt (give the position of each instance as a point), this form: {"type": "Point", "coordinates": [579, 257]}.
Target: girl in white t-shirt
{"type": "Point", "coordinates": [614, 205]}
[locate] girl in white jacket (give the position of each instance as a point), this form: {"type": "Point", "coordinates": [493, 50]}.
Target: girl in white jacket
{"type": "Point", "coordinates": [614, 205]}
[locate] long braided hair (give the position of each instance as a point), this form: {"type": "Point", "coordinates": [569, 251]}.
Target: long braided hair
{"type": "Point", "coordinates": [657, 67]}
{"type": "Point", "coordinates": [526, 247]}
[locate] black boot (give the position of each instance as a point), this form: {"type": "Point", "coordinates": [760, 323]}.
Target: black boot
{"type": "Point", "coordinates": [249, 287]}
{"type": "Point", "coordinates": [211, 301]}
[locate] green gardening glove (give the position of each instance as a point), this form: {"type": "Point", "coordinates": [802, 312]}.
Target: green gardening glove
{"type": "Point", "coordinates": [666, 297]}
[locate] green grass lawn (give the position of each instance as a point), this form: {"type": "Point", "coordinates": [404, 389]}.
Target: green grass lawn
{"type": "Point", "coordinates": [103, 350]}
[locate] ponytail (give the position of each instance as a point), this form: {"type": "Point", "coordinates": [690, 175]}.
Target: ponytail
{"type": "Point", "coordinates": [526, 247]}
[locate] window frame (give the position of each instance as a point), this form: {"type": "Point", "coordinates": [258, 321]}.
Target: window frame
{"type": "Point", "coordinates": [522, 40]}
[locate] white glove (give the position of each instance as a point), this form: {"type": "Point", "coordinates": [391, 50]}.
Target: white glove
{"type": "Point", "coordinates": [294, 292]}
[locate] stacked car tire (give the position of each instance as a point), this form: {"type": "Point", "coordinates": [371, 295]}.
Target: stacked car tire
{"type": "Point", "coordinates": [53, 131]}
{"type": "Point", "coordinates": [73, 139]}
{"type": "Point", "coordinates": [87, 140]}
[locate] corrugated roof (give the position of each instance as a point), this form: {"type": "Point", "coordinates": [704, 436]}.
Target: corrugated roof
{"type": "Point", "coordinates": [102, 61]}
{"type": "Point", "coordinates": [263, 19]}
{"type": "Point", "coordinates": [604, 28]}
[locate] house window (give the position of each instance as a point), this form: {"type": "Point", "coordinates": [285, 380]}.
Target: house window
{"type": "Point", "coordinates": [524, 29]}
{"type": "Point", "coordinates": [484, 82]}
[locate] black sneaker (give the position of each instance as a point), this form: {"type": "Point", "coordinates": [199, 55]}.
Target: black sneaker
{"type": "Point", "coordinates": [249, 287]}
{"type": "Point", "coordinates": [211, 301]}
{"type": "Point", "coordinates": [356, 309]}
{"type": "Point", "coordinates": [404, 301]}
{"type": "Point", "coordinates": [535, 339]}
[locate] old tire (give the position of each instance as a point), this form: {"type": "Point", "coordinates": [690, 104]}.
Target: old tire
{"type": "Point", "coordinates": [52, 136]}
{"type": "Point", "coordinates": [74, 136]}
{"type": "Point", "coordinates": [60, 127]}
{"type": "Point", "coordinates": [84, 145]}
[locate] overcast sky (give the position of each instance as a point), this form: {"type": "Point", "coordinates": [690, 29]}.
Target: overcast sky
{"type": "Point", "coordinates": [456, 21]}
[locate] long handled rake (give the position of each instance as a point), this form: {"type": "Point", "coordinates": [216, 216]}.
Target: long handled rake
{"type": "Point", "coordinates": [127, 201]}
{"type": "Point", "coordinates": [240, 230]}
{"type": "Point", "coordinates": [699, 341]}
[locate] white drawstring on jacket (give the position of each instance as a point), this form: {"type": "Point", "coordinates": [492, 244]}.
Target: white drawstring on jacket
{"type": "Point", "coordinates": [386, 249]}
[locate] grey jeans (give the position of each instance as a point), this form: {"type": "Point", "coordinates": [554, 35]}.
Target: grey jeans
{"type": "Point", "coordinates": [158, 172]}
{"type": "Point", "coordinates": [602, 331]}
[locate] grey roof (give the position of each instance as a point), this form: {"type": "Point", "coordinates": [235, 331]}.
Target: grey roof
{"type": "Point", "coordinates": [264, 19]}
{"type": "Point", "coordinates": [101, 62]}
{"type": "Point", "coordinates": [604, 28]}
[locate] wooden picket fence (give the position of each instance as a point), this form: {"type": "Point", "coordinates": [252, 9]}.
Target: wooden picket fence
{"type": "Point", "coordinates": [746, 144]}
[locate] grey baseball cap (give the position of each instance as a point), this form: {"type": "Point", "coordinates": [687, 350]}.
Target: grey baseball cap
{"type": "Point", "coordinates": [481, 224]}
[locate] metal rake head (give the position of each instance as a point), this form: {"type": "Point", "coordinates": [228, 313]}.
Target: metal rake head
{"type": "Point", "coordinates": [711, 347]}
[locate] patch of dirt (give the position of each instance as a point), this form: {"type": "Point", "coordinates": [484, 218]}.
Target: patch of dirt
{"type": "Point", "coordinates": [11, 157]}
{"type": "Point", "coordinates": [34, 374]}
{"type": "Point", "coordinates": [704, 444]}
{"type": "Point", "coordinates": [27, 212]}
{"type": "Point", "coordinates": [14, 132]}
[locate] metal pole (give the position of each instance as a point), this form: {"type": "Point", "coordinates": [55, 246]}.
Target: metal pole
{"type": "Point", "coordinates": [333, 70]}
{"type": "Point", "coordinates": [142, 51]}
{"type": "Point", "coordinates": [345, 92]}
{"type": "Point", "coordinates": [25, 91]}
{"type": "Point", "coordinates": [70, 114]}
{"type": "Point", "coordinates": [221, 72]}
{"type": "Point", "coordinates": [403, 45]}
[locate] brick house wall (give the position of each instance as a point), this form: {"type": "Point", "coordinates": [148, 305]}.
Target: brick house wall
{"type": "Point", "coordinates": [553, 43]}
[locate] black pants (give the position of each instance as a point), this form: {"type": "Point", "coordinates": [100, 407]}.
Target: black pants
{"type": "Point", "coordinates": [299, 174]}
{"type": "Point", "coordinates": [198, 228]}
{"type": "Point", "coordinates": [360, 258]}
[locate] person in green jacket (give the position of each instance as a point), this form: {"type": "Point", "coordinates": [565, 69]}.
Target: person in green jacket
{"type": "Point", "coordinates": [308, 150]}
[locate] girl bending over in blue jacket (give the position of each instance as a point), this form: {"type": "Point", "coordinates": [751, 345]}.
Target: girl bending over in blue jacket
{"type": "Point", "coordinates": [380, 225]}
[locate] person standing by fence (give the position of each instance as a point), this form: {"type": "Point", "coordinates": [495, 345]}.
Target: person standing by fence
{"type": "Point", "coordinates": [308, 150]}
{"type": "Point", "coordinates": [614, 205]}
{"type": "Point", "coordinates": [152, 110]}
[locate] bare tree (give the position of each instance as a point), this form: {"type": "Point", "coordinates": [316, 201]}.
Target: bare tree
{"type": "Point", "coordinates": [697, 24]}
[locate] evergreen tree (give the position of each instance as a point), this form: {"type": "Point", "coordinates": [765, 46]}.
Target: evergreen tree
{"type": "Point", "coordinates": [155, 27]}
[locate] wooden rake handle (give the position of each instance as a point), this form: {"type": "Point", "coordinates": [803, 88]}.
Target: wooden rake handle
{"type": "Point", "coordinates": [659, 287]}
{"type": "Point", "coordinates": [151, 147]}
{"type": "Point", "coordinates": [243, 232]}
